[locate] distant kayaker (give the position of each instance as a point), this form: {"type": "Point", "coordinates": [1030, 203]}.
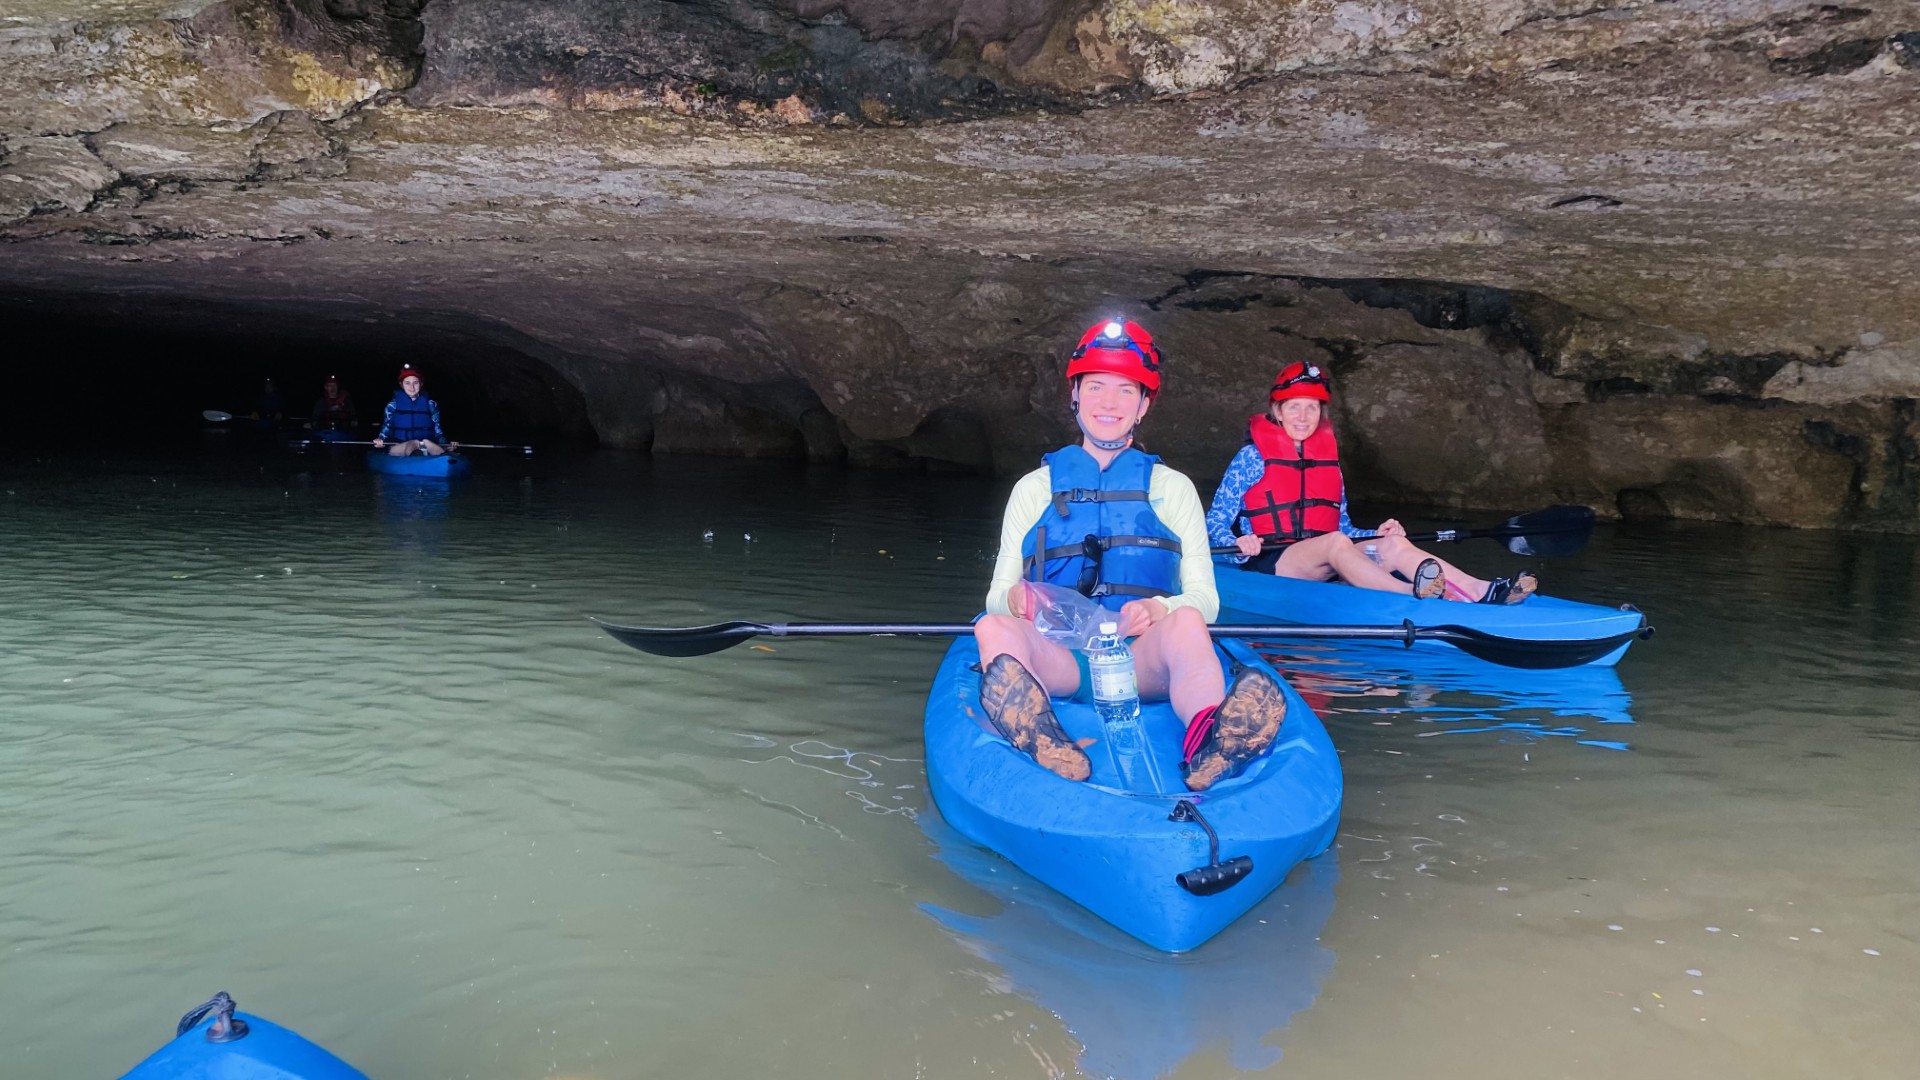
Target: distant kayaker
{"type": "Point", "coordinates": [412, 422]}
{"type": "Point", "coordinates": [267, 409]}
{"type": "Point", "coordinates": [1101, 517]}
{"type": "Point", "coordinates": [334, 411]}
{"type": "Point", "coordinates": [1283, 503]}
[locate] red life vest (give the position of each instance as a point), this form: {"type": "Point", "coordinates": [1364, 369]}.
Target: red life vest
{"type": "Point", "coordinates": [1300, 494]}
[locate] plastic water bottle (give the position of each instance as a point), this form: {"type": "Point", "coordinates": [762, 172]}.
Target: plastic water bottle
{"type": "Point", "coordinates": [1373, 552]}
{"type": "Point", "coordinates": [1116, 698]}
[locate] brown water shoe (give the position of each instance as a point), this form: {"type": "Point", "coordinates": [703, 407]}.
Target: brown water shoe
{"type": "Point", "coordinates": [1244, 728]}
{"type": "Point", "coordinates": [1022, 713]}
{"type": "Point", "coordinates": [1428, 580]}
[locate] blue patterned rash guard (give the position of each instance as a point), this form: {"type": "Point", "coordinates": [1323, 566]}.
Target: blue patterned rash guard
{"type": "Point", "coordinates": [1229, 499]}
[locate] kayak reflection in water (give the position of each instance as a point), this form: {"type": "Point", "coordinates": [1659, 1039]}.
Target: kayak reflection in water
{"type": "Point", "coordinates": [334, 413]}
{"type": "Point", "coordinates": [1113, 523]}
{"type": "Point", "coordinates": [1284, 495]}
{"type": "Point", "coordinates": [412, 422]}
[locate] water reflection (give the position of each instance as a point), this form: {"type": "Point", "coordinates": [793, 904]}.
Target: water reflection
{"type": "Point", "coordinates": [414, 510]}
{"type": "Point", "coordinates": [1139, 1013]}
{"type": "Point", "coordinates": [1453, 692]}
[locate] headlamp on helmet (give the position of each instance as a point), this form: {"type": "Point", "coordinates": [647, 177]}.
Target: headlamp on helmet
{"type": "Point", "coordinates": [1300, 380]}
{"type": "Point", "coordinates": [1118, 347]}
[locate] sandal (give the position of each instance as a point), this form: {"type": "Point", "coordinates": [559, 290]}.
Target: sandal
{"type": "Point", "coordinates": [1510, 590]}
{"type": "Point", "coordinates": [1241, 729]}
{"type": "Point", "coordinates": [1020, 710]}
{"type": "Point", "coordinates": [1428, 580]}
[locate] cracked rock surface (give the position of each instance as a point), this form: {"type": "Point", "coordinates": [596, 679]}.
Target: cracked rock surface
{"type": "Point", "coordinates": [1659, 257]}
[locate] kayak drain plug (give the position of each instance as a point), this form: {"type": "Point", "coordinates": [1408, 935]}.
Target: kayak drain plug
{"type": "Point", "coordinates": [1216, 876]}
{"type": "Point", "coordinates": [226, 1027]}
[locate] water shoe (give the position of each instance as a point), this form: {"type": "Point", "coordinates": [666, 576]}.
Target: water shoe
{"type": "Point", "coordinates": [1020, 710]}
{"type": "Point", "coordinates": [1243, 728]}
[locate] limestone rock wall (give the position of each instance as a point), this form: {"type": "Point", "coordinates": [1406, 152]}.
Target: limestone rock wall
{"type": "Point", "coordinates": [1659, 257]}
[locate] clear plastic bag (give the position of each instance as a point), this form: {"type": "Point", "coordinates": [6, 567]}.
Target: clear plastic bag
{"type": "Point", "coordinates": [1063, 615]}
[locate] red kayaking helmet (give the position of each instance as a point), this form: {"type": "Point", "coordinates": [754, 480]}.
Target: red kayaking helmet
{"type": "Point", "coordinates": [1121, 348]}
{"type": "Point", "coordinates": [1302, 380]}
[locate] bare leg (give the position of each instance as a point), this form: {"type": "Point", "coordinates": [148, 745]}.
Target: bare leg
{"type": "Point", "coordinates": [1399, 553]}
{"type": "Point", "coordinates": [400, 449]}
{"type": "Point", "coordinates": [1050, 663]}
{"type": "Point", "coordinates": [1324, 556]}
{"type": "Point", "coordinates": [1175, 660]}
{"type": "Point", "coordinates": [431, 448]}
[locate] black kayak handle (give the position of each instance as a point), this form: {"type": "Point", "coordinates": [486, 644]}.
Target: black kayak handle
{"type": "Point", "coordinates": [1216, 876]}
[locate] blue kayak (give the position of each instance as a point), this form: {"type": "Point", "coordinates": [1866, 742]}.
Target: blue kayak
{"type": "Point", "coordinates": [263, 1050]}
{"type": "Point", "coordinates": [1121, 855]}
{"type": "Point", "coordinates": [442, 465]}
{"type": "Point", "coordinates": [1271, 598]}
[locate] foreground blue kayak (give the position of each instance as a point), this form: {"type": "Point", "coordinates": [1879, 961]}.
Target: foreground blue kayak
{"type": "Point", "coordinates": [418, 464]}
{"type": "Point", "coordinates": [1122, 855]}
{"type": "Point", "coordinates": [253, 1049]}
{"type": "Point", "coordinates": [1271, 598]}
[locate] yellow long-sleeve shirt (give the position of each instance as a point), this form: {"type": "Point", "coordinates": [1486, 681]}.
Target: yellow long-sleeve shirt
{"type": "Point", "coordinates": [1173, 499]}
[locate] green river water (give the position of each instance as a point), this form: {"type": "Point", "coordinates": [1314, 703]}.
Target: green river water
{"type": "Point", "coordinates": [348, 748]}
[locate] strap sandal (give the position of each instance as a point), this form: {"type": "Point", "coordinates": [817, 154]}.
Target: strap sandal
{"type": "Point", "coordinates": [1428, 580]}
{"type": "Point", "coordinates": [1511, 590]}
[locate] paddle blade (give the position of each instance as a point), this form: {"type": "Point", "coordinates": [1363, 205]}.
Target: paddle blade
{"type": "Point", "coordinates": [1527, 653]}
{"type": "Point", "coordinates": [1548, 545]}
{"type": "Point", "coordinates": [215, 416]}
{"type": "Point", "coordinates": [683, 640]}
{"type": "Point", "coordinates": [1557, 530]}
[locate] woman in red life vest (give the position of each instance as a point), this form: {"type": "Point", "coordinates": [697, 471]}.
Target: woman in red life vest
{"type": "Point", "coordinates": [1103, 518]}
{"type": "Point", "coordinates": [1283, 503]}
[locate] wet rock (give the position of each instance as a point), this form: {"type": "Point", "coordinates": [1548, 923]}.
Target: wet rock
{"type": "Point", "coordinates": [1879, 373]}
{"type": "Point", "coordinates": [1698, 460]}
{"type": "Point", "coordinates": [233, 61]}
{"type": "Point", "coordinates": [43, 175]}
{"type": "Point", "coordinates": [1452, 424]}
{"type": "Point", "coordinates": [741, 60]}
{"type": "Point", "coordinates": [151, 152]}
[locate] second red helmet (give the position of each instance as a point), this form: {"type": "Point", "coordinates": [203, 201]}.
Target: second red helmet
{"type": "Point", "coordinates": [1302, 380]}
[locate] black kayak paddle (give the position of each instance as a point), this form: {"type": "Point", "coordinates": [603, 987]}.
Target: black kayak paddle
{"type": "Point", "coordinates": [1506, 651]}
{"type": "Point", "coordinates": [1557, 530]}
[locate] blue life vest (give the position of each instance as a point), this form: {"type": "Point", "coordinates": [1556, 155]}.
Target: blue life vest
{"type": "Point", "coordinates": [1101, 521]}
{"type": "Point", "coordinates": [412, 418]}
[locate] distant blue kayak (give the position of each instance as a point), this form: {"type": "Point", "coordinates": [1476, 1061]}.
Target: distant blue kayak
{"type": "Point", "coordinates": [266, 1051]}
{"type": "Point", "coordinates": [443, 465]}
{"type": "Point", "coordinates": [1271, 598]}
{"type": "Point", "coordinates": [1118, 854]}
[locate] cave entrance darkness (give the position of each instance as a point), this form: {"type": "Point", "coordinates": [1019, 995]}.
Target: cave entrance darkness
{"type": "Point", "coordinates": [124, 379]}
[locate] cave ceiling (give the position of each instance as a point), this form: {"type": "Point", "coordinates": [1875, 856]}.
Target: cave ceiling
{"type": "Point", "coordinates": [1567, 244]}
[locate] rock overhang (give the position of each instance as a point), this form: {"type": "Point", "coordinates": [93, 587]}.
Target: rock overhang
{"type": "Point", "coordinates": [1723, 224]}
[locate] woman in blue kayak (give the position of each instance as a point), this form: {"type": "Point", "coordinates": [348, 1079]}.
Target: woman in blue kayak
{"type": "Point", "coordinates": [1111, 522]}
{"type": "Point", "coordinates": [412, 422]}
{"type": "Point", "coordinates": [1283, 503]}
